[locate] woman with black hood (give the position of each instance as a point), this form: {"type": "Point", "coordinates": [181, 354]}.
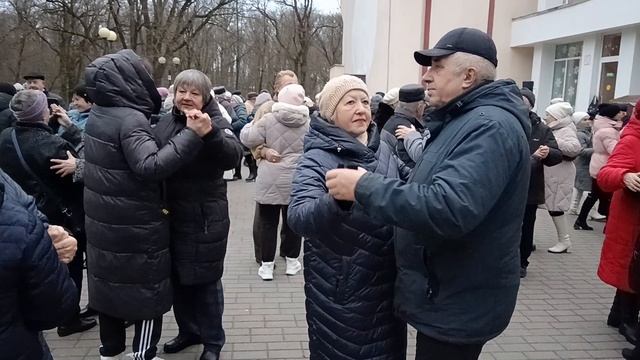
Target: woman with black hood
{"type": "Point", "coordinates": [127, 222]}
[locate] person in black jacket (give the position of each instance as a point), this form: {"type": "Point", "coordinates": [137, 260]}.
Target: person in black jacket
{"type": "Point", "coordinates": [409, 110]}
{"type": "Point", "coordinates": [36, 292]}
{"type": "Point", "coordinates": [544, 152]}
{"type": "Point", "coordinates": [199, 217]}
{"type": "Point", "coordinates": [349, 266]}
{"type": "Point", "coordinates": [60, 199]}
{"type": "Point", "coordinates": [6, 116]}
{"type": "Point", "coordinates": [129, 274]}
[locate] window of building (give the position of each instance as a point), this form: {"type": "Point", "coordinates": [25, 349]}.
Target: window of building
{"type": "Point", "coordinates": [609, 66]}
{"type": "Point", "coordinates": [566, 70]}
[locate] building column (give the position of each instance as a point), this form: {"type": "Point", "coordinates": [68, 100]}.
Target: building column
{"type": "Point", "coordinates": [589, 70]}
{"type": "Point", "coordinates": [542, 75]}
{"type": "Point", "coordinates": [628, 78]}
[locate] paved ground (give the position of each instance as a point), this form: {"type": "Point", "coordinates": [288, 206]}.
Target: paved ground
{"type": "Point", "coordinates": [561, 311]}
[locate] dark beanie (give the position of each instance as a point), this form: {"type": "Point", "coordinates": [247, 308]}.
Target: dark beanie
{"type": "Point", "coordinates": [529, 95]}
{"type": "Point", "coordinates": [7, 88]}
{"type": "Point", "coordinates": [81, 91]}
{"type": "Point", "coordinates": [609, 110]}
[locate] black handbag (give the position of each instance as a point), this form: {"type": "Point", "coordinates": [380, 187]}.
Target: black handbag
{"type": "Point", "coordinates": [73, 223]}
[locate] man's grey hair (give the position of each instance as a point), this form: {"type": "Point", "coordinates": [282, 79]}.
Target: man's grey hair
{"type": "Point", "coordinates": [484, 68]}
{"type": "Point", "coordinates": [196, 79]}
{"type": "Point", "coordinates": [408, 108]}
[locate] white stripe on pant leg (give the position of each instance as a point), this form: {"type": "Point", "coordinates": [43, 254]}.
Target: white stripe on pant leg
{"type": "Point", "coordinates": [143, 335]}
{"type": "Point", "coordinates": [149, 338]}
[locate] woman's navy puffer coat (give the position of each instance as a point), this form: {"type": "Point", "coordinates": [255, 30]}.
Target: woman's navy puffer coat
{"type": "Point", "coordinates": [349, 265]}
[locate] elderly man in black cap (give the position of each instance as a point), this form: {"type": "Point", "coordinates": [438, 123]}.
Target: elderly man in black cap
{"type": "Point", "coordinates": [408, 113]}
{"type": "Point", "coordinates": [458, 218]}
{"type": "Point", "coordinates": [36, 81]}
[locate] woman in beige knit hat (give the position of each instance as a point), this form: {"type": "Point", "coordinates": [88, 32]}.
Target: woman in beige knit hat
{"type": "Point", "coordinates": [349, 264]}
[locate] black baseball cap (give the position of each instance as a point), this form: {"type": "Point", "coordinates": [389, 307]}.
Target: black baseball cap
{"type": "Point", "coordinates": [34, 75]}
{"type": "Point", "coordinates": [468, 40]}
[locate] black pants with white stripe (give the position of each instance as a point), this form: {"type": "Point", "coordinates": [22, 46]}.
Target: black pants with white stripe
{"type": "Point", "coordinates": [113, 335]}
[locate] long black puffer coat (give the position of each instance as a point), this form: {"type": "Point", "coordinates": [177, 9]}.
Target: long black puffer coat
{"type": "Point", "coordinates": [36, 292]}
{"type": "Point", "coordinates": [126, 221]}
{"type": "Point", "coordinates": [197, 198]}
{"type": "Point", "coordinates": [349, 266]}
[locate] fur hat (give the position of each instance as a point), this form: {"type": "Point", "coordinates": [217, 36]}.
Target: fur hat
{"type": "Point", "coordinates": [292, 94]}
{"type": "Point", "coordinates": [559, 110]}
{"type": "Point", "coordinates": [334, 91]}
{"type": "Point", "coordinates": [262, 98]}
{"type": "Point", "coordinates": [609, 110]}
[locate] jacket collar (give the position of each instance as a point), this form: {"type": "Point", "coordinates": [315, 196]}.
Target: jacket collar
{"type": "Point", "coordinates": [34, 125]}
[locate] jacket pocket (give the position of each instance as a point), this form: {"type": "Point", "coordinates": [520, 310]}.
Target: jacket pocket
{"type": "Point", "coordinates": [342, 280]}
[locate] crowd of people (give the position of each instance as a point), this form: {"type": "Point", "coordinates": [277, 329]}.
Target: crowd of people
{"type": "Point", "coordinates": [412, 207]}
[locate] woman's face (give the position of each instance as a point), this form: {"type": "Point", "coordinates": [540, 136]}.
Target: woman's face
{"type": "Point", "coordinates": [188, 98]}
{"type": "Point", "coordinates": [353, 113]}
{"type": "Point", "coordinates": [80, 103]}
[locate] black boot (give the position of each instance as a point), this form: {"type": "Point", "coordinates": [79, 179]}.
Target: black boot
{"type": "Point", "coordinates": [629, 333]}
{"type": "Point", "coordinates": [180, 343]}
{"type": "Point", "coordinates": [253, 168]}
{"type": "Point", "coordinates": [76, 326]}
{"type": "Point", "coordinates": [210, 355]}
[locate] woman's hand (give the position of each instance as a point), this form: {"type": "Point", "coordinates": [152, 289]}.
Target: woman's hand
{"type": "Point", "coordinates": [63, 118]}
{"type": "Point", "coordinates": [632, 181]}
{"type": "Point", "coordinates": [64, 167]}
{"type": "Point", "coordinates": [65, 245]}
{"type": "Point", "coordinates": [199, 122]}
{"type": "Point", "coordinates": [402, 131]}
{"type": "Point", "coordinates": [271, 155]}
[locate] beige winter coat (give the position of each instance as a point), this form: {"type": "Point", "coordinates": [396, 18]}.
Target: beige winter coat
{"type": "Point", "coordinates": [559, 179]}
{"type": "Point", "coordinates": [282, 130]}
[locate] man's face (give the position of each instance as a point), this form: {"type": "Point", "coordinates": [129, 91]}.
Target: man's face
{"type": "Point", "coordinates": [35, 84]}
{"type": "Point", "coordinates": [443, 81]}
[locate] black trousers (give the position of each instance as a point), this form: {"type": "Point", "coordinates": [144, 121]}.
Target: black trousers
{"type": "Point", "coordinates": [428, 348]}
{"type": "Point", "coordinates": [265, 232]}
{"type": "Point", "coordinates": [625, 308]}
{"type": "Point", "coordinates": [526, 240]}
{"type": "Point", "coordinates": [595, 195]}
{"type": "Point", "coordinates": [113, 336]}
{"type": "Point", "coordinates": [198, 310]}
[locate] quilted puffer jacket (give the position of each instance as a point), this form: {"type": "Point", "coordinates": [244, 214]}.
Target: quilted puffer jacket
{"type": "Point", "coordinates": [282, 130]}
{"type": "Point", "coordinates": [559, 179]}
{"type": "Point", "coordinates": [606, 134]}
{"type": "Point", "coordinates": [36, 292]}
{"type": "Point", "coordinates": [349, 264]}
{"type": "Point", "coordinates": [126, 222]}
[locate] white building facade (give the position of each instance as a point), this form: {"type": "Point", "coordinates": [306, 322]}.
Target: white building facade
{"type": "Point", "coordinates": [582, 49]}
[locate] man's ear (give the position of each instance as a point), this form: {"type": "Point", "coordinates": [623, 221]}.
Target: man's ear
{"type": "Point", "coordinates": [470, 78]}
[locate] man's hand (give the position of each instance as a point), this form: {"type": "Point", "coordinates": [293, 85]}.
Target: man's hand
{"type": "Point", "coordinates": [402, 131]}
{"type": "Point", "coordinates": [64, 167]}
{"type": "Point", "coordinates": [632, 181]}
{"type": "Point", "coordinates": [270, 155]}
{"type": "Point", "coordinates": [542, 152]}
{"type": "Point", "coordinates": [199, 122]}
{"type": "Point", "coordinates": [342, 183]}
{"type": "Point", "coordinates": [63, 118]}
{"type": "Point", "coordinates": [65, 245]}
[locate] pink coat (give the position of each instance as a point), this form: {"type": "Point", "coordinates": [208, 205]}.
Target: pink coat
{"type": "Point", "coordinates": [606, 134]}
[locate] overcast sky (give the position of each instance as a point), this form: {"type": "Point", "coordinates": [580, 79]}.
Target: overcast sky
{"type": "Point", "coordinates": [331, 6]}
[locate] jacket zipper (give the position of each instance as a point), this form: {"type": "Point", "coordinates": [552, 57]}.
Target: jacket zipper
{"type": "Point", "coordinates": [205, 219]}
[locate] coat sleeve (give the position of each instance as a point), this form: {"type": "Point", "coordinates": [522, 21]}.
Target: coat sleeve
{"type": "Point", "coordinates": [49, 296]}
{"type": "Point", "coordinates": [221, 145]}
{"type": "Point", "coordinates": [242, 118]}
{"type": "Point", "coordinates": [609, 139]}
{"type": "Point", "coordinates": [555, 155]}
{"type": "Point", "coordinates": [311, 209]}
{"type": "Point", "coordinates": [254, 134]}
{"type": "Point", "coordinates": [73, 134]}
{"type": "Point", "coordinates": [147, 160]}
{"type": "Point", "coordinates": [622, 161]}
{"type": "Point", "coordinates": [569, 143]}
{"type": "Point", "coordinates": [463, 190]}
{"type": "Point", "coordinates": [414, 145]}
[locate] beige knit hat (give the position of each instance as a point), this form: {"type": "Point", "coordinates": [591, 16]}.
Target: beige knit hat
{"type": "Point", "coordinates": [335, 90]}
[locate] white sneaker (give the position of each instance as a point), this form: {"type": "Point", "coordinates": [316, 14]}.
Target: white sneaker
{"type": "Point", "coordinates": [293, 266]}
{"type": "Point", "coordinates": [266, 271]}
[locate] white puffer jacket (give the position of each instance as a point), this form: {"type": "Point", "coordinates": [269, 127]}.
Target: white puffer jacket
{"type": "Point", "coordinates": [282, 130]}
{"type": "Point", "coordinates": [559, 179]}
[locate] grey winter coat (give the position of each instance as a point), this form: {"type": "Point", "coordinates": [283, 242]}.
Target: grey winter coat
{"type": "Point", "coordinates": [583, 179]}
{"type": "Point", "coordinates": [126, 219]}
{"type": "Point", "coordinates": [458, 219]}
{"type": "Point", "coordinates": [559, 179]}
{"type": "Point", "coordinates": [282, 130]}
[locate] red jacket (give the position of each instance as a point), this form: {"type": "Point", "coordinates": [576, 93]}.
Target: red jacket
{"type": "Point", "coordinates": [623, 225]}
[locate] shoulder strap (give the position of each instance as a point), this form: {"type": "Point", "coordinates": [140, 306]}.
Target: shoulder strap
{"type": "Point", "coordinates": [49, 192]}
